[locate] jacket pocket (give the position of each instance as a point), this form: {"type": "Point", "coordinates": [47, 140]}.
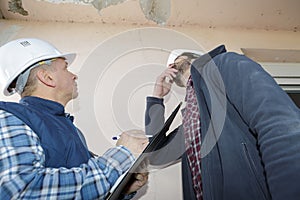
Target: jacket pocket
{"type": "Point", "coordinates": [253, 169]}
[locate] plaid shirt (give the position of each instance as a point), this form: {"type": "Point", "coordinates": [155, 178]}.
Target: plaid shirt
{"type": "Point", "coordinates": [192, 134]}
{"type": "Point", "coordinates": [23, 175]}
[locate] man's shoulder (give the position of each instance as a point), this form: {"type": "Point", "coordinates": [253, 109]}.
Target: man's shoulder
{"type": "Point", "coordinates": [8, 107]}
{"type": "Point", "coordinates": [3, 104]}
{"type": "Point", "coordinates": [13, 112]}
{"type": "Point", "coordinates": [4, 113]}
{"type": "Point", "coordinates": [8, 119]}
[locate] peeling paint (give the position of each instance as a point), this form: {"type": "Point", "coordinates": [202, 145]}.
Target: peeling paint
{"type": "Point", "coordinates": [156, 10]}
{"type": "Point", "coordinates": [69, 1]}
{"type": "Point", "coordinates": [100, 4]}
{"type": "Point", "coordinates": [15, 6]}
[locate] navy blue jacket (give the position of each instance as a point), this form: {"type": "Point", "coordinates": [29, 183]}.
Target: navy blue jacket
{"type": "Point", "coordinates": [63, 144]}
{"type": "Point", "coordinates": [250, 131]}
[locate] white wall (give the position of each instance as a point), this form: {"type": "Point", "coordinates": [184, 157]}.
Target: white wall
{"type": "Point", "coordinates": [117, 67]}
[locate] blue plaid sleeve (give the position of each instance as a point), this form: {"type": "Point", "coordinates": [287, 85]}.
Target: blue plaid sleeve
{"type": "Point", "coordinates": [23, 175]}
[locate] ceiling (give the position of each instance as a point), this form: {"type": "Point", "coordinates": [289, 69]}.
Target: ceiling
{"type": "Point", "coordinates": [254, 14]}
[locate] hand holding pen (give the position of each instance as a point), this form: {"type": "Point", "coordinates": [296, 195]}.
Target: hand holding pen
{"type": "Point", "coordinates": [134, 140]}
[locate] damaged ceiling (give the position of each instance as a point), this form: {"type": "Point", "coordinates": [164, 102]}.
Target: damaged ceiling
{"type": "Point", "coordinates": [254, 14]}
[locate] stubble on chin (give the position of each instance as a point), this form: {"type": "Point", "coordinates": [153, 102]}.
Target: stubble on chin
{"type": "Point", "coordinates": [179, 80]}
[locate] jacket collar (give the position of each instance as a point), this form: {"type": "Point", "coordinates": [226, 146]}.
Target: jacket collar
{"type": "Point", "coordinates": [43, 105]}
{"type": "Point", "coordinates": [202, 60]}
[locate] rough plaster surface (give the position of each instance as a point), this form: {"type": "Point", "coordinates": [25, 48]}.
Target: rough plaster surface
{"type": "Point", "coordinates": [255, 14]}
{"type": "Point", "coordinates": [154, 10]}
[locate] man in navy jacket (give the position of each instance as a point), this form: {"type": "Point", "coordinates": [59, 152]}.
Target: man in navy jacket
{"type": "Point", "coordinates": [43, 155]}
{"type": "Point", "coordinates": [250, 129]}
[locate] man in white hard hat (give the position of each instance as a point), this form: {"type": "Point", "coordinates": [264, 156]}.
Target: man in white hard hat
{"type": "Point", "coordinates": [240, 131]}
{"type": "Point", "coordinates": [43, 155]}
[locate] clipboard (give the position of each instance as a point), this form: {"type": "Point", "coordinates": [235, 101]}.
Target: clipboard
{"type": "Point", "coordinates": [156, 141]}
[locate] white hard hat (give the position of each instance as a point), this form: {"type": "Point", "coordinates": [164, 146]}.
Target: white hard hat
{"type": "Point", "coordinates": [176, 52]}
{"type": "Point", "coordinates": [18, 55]}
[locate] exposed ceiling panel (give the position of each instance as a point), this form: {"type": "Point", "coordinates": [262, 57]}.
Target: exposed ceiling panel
{"type": "Point", "coordinates": [273, 55]}
{"type": "Point", "coordinates": [254, 14]}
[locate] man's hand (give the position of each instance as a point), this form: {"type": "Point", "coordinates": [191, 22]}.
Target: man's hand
{"type": "Point", "coordinates": [134, 140]}
{"type": "Point", "coordinates": [138, 181]}
{"type": "Point", "coordinates": [162, 85]}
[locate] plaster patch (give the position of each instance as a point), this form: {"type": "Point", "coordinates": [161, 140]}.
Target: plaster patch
{"type": "Point", "coordinates": [15, 6]}
{"type": "Point", "coordinates": [100, 4]}
{"type": "Point", "coordinates": [68, 1]}
{"type": "Point", "coordinates": [156, 10]}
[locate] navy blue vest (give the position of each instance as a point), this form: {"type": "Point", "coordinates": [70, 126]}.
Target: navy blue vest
{"type": "Point", "coordinates": [60, 139]}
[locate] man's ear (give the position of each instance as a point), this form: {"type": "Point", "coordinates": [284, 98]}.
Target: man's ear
{"type": "Point", "coordinates": [45, 77]}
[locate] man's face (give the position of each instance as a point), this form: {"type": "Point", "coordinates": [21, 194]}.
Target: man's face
{"type": "Point", "coordinates": [182, 65]}
{"type": "Point", "coordinates": [65, 80]}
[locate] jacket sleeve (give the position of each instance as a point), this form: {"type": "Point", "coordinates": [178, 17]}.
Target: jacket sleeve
{"type": "Point", "coordinates": [271, 116]}
{"type": "Point", "coordinates": [154, 115]}
{"type": "Point", "coordinates": [173, 149]}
